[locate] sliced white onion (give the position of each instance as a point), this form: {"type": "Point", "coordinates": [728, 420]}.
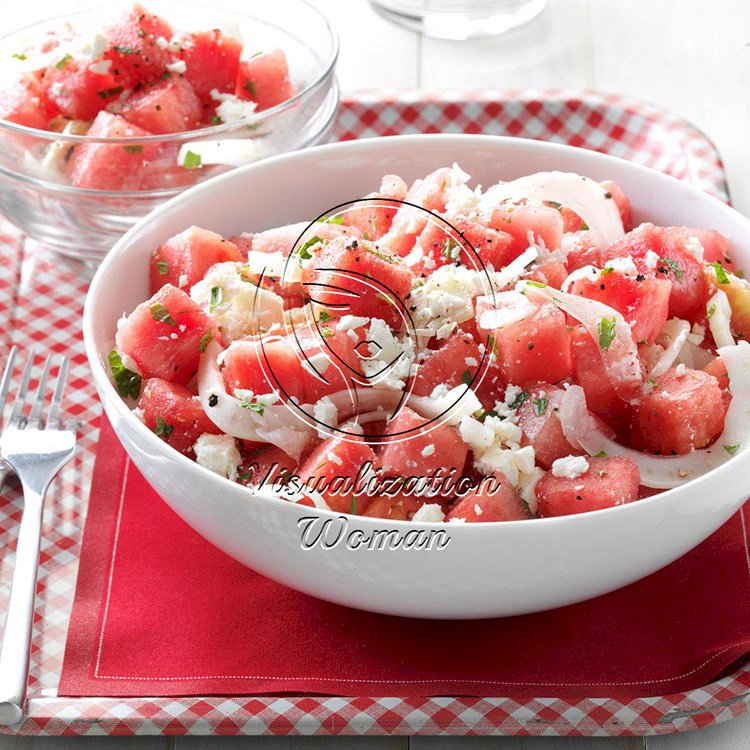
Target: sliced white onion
{"type": "Point", "coordinates": [510, 307]}
{"type": "Point", "coordinates": [621, 357]}
{"type": "Point", "coordinates": [585, 272]}
{"type": "Point", "coordinates": [277, 425]}
{"type": "Point", "coordinates": [719, 313]}
{"type": "Point", "coordinates": [665, 472]}
{"type": "Point", "coordinates": [580, 194]}
{"type": "Point", "coordinates": [515, 269]}
{"type": "Point", "coordinates": [693, 356]}
{"type": "Point", "coordinates": [672, 337]}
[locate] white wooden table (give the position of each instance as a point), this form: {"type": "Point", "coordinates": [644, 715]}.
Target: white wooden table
{"type": "Point", "coordinates": [690, 56]}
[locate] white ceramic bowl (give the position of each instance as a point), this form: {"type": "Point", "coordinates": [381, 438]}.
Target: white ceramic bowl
{"type": "Point", "coordinates": [485, 570]}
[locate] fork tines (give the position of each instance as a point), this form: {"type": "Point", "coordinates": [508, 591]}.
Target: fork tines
{"type": "Point", "coordinates": [34, 418]}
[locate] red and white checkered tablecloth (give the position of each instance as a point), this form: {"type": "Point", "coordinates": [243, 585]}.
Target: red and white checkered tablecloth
{"type": "Point", "coordinates": [41, 301]}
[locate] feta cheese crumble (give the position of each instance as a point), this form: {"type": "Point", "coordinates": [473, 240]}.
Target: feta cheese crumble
{"type": "Point", "coordinates": [570, 467]}
{"type": "Point", "coordinates": [429, 513]}
{"type": "Point", "coordinates": [219, 454]}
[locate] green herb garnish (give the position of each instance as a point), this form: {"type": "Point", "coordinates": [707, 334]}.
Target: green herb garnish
{"type": "Point", "coordinates": [303, 252]}
{"type": "Point", "coordinates": [606, 328]}
{"type": "Point", "coordinates": [192, 161]}
{"type": "Point", "coordinates": [466, 377]}
{"type": "Point", "coordinates": [335, 219]}
{"type": "Point", "coordinates": [217, 296]}
{"type": "Point", "coordinates": [128, 382]}
{"type": "Point", "coordinates": [353, 506]}
{"type": "Point", "coordinates": [205, 340]}
{"type": "Point", "coordinates": [62, 62]}
{"type": "Point", "coordinates": [673, 266]}
{"type": "Point", "coordinates": [133, 149]}
{"type": "Point", "coordinates": [162, 428]}
{"type": "Point", "coordinates": [521, 398]}
{"type": "Point", "coordinates": [254, 406]}
{"type": "Point", "coordinates": [540, 406]}
{"type": "Point", "coordinates": [163, 267]}
{"type": "Point", "coordinates": [732, 449]}
{"type": "Point", "coordinates": [324, 316]}
{"type": "Point", "coordinates": [249, 86]}
{"type": "Point", "coordinates": [161, 315]}
{"type": "Point", "coordinates": [537, 284]}
{"type": "Point", "coordinates": [721, 274]}
{"type": "Point", "coordinates": [600, 454]}
{"type": "Point", "coordinates": [19, 56]}
{"type": "Point", "coordinates": [449, 249]}
{"type": "Point", "coordinates": [215, 120]}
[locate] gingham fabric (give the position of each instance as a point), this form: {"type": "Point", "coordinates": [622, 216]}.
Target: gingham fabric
{"type": "Point", "coordinates": [41, 300]}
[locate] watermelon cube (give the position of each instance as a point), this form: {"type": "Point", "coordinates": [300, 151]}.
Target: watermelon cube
{"type": "Point", "coordinates": [184, 259]}
{"type": "Point", "coordinates": [108, 166]}
{"type": "Point", "coordinates": [284, 239]}
{"type": "Point", "coordinates": [551, 272]}
{"type": "Point", "coordinates": [168, 106]}
{"type": "Point", "coordinates": [264, 464]}
{"type": "Point", "coordinates": [77, 91]}
{"type": "Point", "coordinates": [164, 335]}
{"type": "Point", "coordinates": [535, 349]}
{"type": "Point", "coordinates": [334, 460]}
{"type": "Point", "coordinates": [393, 507]}
{"type": "Point", "coordinates": [543, 224]}
{"type": "Point", "coordinates": [174, 414]}
{"type": "Point", "coordinates": [373, 220]}
{"type": "Point", "coordinates": [211, 61]}
{"type": "Point", "coordinates": [621, 201]}
{"type": "Point", "coordinates": [25, 103]}
{"type": "Point", "coordinates": [264, 79]}
{"type": "Point", "coordinates": [497, 501]}
{"type": "Point", "coordinates": [538, 418]}
{"type": "Point", "coordinates": [457, 361]}
{"type": "Point", "coordinates": [136, 54]}
{"type": "Point", "coordinates": [643, 302]}
{"type": "Point", "coordinates": [583, 252]}
{"type": "Point", "coordinates": [608, 482]}
{"type": "Point", "coordinates": [409, 448]}
{"type": "Point", "coordinates": [355, 277]}
{"type": "Point", "coordinates": [684, 411]}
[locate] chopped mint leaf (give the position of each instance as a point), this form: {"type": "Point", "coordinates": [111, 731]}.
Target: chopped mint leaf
{"type": "Point", "coordinates": [249, 86]}
{"type": "Point", "coordinates": [215, 120]}
{"type": "Point", "coordinates": [600, 454]}
{"type": "Point", "coordinates": [732, 449]}
{"type": "Point", "coordinates": [19, 56]}
{"type": "Point", "coordinates": [205, 340]}
{"type": "Point", "coordinates": [520, 399]}
{"type": "Point", "coordinates": [466, 377]}
{"type": "Point", "coordinates": [128, 382]}
{"type": "Point", "coordinates": [324, 316]}
{"type": "Point", "coordinates": [537, 284]}
{"type": "Point", "coordinates": [133, 149]}
{"type": "Point", "coordinates": [162, 428]}
{"type": "Point", "coordinates": [163, 267]}
{"type": "Point", "coordinates": [540, 406]}
{"type": "Point", "coordinates": [335, 219]}
{"type": "Point", "coordinates": [721, 274]}
{"type": "Point", "coordinates": [303, 252]}
{"type": "Point", "coordinates": [254, 406]}
{"type": "Point", "coordinates": [606, 327]}
{"type": "Point", "coordinates": [673, 266]}
{"type": "Point", "coordinates": [217, 296]}
{"type": "Point", "coordinates": [606, 270]}
{"type": "Point", "coordinates": [711, 310]}
{"type": "Point", "coordinates": [192, 161]}
{"type": "Point", "coordinates": [353, 506]}
{"type": "Point", "coordinates": [62, 62]}
{"type": "Point", "coordinates": [161, 315]}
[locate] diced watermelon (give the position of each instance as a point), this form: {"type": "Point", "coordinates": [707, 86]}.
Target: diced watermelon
{"type": "Point", "coordinates": [79, 92]}
{"type": "Point", "coordinates": [283, 239]}
{"type": "Point", "coordinates": [543, 223]}
{"type": "Point", "coordinates": [538, 419]}
{"type": "Point", "coordinates": [329, 364]}
{"type": "Point", "coordinates": [718, 369]}
{"type": "Point", "coordinates": [643, 302]}
{"type": "Point", "coordinates": [336, 457]}
{"type": "Point", "coordinates": [494, 500]}
{"type": "Point", "coordinates": [583, 252]}
{"type": "Point", "coordinates": [715, 246]}
{"type": "Point", "coordinates": [168, 106]}
{"type": "Point", "coordinates": [373, 221]}
{"type": "Point", "coordinates": [104, 166]}
{"type": "Point", "coordinates": [675, 264]}
{"type": "Point", "coordinates": [607, 483]}
{"type": "Point", "coordinates": [24, 103]}
{"type": "Point", "coordinates": [393, 508]}
{"type": "Point", "coordinates": [136, 55]}
{"type": "Point", "coordinates": [457, 361]}
{"type": "Point", "coordinates": [410, 448]}
{"type": "Point", "coordinates": [354, 277]}
{"type": "Point", "coordinates": [409, 222]}
{"type": "Point", "coordinates": [493, 385]}
{"type": "Point", "coordinates": [589, 372]}
{"type": "Point", "coordinates": [211, 62]}
{"type": "Point", "coordinates": [681, 413]}
{"type": "Point", "coordinates": [163, 335]}
{"type": "Point", "coordinates": [189, 254]}
{"type": "Point", "coordinates": [264, 463]}
{"type": "Point", "coordinates": [551, 272]}
{"type": "Point", "coordinates": [175, 414]}
{"type": "Point", "coordinates": [244, 243]}
{"type": "Point", "coordinates": [264, 79]}
{"type": "Point", "coordinates": [535, 349]}
{"type": "Point", "coordinates": [622, 203]}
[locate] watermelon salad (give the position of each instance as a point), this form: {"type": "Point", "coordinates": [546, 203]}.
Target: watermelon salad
{"type": "Point", "coordinates": [526, 339]}
{"type": "Point", "coordinates": [139, 77]}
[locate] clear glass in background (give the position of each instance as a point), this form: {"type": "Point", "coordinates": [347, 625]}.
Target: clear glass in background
{"type": "Point", "coordinates": [460, 19]}
{"type": "Point", "coordinates": [35, 192]}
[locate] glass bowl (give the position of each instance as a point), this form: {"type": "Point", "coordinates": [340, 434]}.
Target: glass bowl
{"type": "Point", "coordinates": [36, 193]}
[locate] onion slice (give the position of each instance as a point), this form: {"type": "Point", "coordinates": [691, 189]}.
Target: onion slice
{"type": "Point", "coordinates": [719, 313]}
{"type": "Point", "coordinates": [620, 356]}
{"type": "Point", "coordinates": [665, 472]}
{"type": "Point", "coordinates": [672, 337]}
{"type": "Point", "coordinates": [580, 194]}
{"type": "Point", "coordinates": [277, 425]}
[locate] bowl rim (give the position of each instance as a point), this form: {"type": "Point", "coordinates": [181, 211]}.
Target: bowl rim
{"type": "Point", "coordinates": [328, 64]}
{"type": "Point", "coordinates": [103, 381]}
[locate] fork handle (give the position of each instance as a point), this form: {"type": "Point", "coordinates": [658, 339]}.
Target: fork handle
{"type": "Point", "coordinates": [14, 654]}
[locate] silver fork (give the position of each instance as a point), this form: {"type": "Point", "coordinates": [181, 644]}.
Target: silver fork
{"type": "Point", "coordinates": [35, 449]}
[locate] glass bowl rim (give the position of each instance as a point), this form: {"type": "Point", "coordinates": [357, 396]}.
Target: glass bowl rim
{"type": "Point", "coordinates": [184, 135]}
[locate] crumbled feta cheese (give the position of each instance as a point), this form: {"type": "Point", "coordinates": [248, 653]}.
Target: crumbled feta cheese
{"type": "Point", "coordinates": [219, 454]}
{"type": "Point", "coordinates": [431, 513]}
{"type": "Point", "coordinates": [129, 363]}
{"type": "Point", "coordinates": [178, 67]}
{"type": "Point", "coordinates": [231, 152]}
{"type": "Point", "coordinates": [100, 67]}
{"type": "Point", "coordinates": [232, 108]}
{"type": "Point", "coordinates": [428, 450]}
{"type": "Point", "coordinates": [183, 280]}
{"type": "Point", "coordinates": [334, 458]}
{"type": "Point", "coordinates": [477, 436]}
{"type": "Point", "coordinates": [694, 247]}
{"type": "Point", "coordinates": [350, 322]}
{"type": "Point", "coordinates": [651, 259]}
{"type": "Point", "coordinates": [477, 509]}
{"type": "Point", "coordinates": [622, 265]}
{"type": "Point", "coordinates": [512, 392]}
{"type": "Point", "coordinates": [327, 414]}
{"type": "Point", "coordinates": [570, 467]}
{"type": "Point", "coordinates": [391, 358]}
{"type": "Point", "coordinates": [243, 308]}
{"type": "Point", "coordinates": [471, 362]}
{"type": "Point", "coordinates": [527, 483]}
{"type": "Point", "coordinates": [457, 520]}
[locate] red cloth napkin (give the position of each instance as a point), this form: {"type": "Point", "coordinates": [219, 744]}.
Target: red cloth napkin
{"type": "Point", "coordinates": [160, 611]}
